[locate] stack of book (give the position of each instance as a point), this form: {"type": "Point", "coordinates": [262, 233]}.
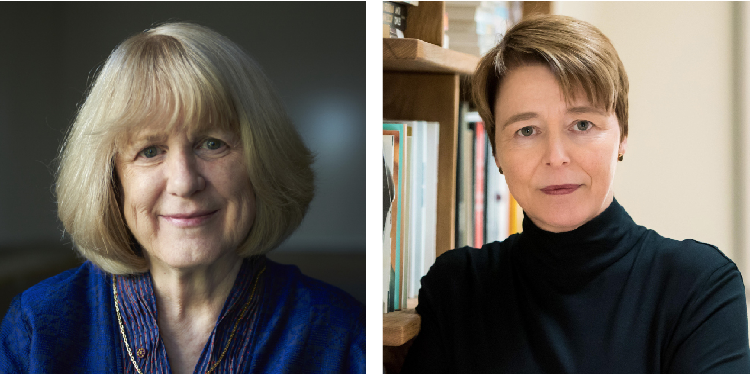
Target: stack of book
{"type": "Point", "coordinates": [485, 210]}
{"type": "Point", "coordinates": [474, 27]}
{"type": "Point", "coordinates": [394, 17]}
{"type": "Point", "coordinates": [410, 159]}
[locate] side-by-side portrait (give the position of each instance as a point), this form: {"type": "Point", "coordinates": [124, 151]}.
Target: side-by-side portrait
{"type": "Point", "coordinates": [197, 184]}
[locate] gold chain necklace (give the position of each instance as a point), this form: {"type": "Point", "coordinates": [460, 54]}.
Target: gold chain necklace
{"type": "Point", "coordinates": [226, 346]}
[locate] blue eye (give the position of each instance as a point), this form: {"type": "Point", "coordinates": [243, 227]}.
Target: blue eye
{"type": "Point", "coordinates": [213, 144]}
{"type": "Point", "coordinates": [583, 125]}
{"type": "Point", "coordinates": [526, 131]}
{"type": "Point", "coordinates": [149, 152]}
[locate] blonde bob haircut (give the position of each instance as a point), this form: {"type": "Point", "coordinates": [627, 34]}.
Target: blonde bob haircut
{"type": "Point", "coordinates": [178, 74]}
{"type": "Point", "coordinates": [578, 54]}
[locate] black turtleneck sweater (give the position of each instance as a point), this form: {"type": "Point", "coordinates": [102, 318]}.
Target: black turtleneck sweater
{"type": "Point", "coordinates": [608, 297]}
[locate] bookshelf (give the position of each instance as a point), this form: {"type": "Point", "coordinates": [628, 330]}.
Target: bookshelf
{"type": "Point", "coordinates": [418, 56]}
{"type": "Point", "coordinates": [422, 82]}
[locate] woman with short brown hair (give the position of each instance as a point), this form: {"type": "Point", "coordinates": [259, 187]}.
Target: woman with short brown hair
{"type": "Point", "coordinates": [582, 289]}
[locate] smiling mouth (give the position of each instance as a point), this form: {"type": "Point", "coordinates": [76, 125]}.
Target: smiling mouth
{"type": "Point", "coordinates": [560, 189]}
{"type": "Point", "coordinates": [190, 219]}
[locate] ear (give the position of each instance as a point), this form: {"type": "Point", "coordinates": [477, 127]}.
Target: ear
{"type": "Point", "coordinates": [623, 146]}
{"type": "Point", "coordinates": [500, 168]}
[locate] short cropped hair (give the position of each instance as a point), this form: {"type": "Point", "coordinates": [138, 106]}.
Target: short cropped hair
{"type": "Point", "coordinates": [577, 53]}
{"type": "Point", "coordinates": [178, 73]}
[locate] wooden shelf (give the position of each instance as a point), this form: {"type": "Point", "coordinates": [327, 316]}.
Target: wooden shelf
{"type": "Point", "coordinates": [414, 55]}
{"type": "Point", "coordinates": [399, 327]}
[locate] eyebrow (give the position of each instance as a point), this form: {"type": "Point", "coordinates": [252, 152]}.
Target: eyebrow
{"type": "Point", "coordinates": [530, 115]}
{"type": "Point", "coordinates": [519, 117]}
{"type": "Point", "coordinates": [137, 142]}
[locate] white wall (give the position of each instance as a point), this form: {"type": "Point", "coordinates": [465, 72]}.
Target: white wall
{"type": "Point", "coordinates": [677, 174]}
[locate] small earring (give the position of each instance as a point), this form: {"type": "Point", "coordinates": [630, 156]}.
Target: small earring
{"type": "Point", "coordinates": [619, 157]}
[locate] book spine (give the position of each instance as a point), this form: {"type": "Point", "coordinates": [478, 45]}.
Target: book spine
{"type": "Point", "coordinates": [389, 194]}
{"type": "Point", "coordinates": [479, 186]}
{"type": "Point", "coordinates": [394, 15]}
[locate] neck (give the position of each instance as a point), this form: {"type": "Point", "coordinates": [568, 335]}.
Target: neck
{"type": "Point", "coordinates": [189, 302]}
{"type": "Point", "coordinates": [189, 292]}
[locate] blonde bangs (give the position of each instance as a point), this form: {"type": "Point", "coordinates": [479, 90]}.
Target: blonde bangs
{"type": "Point", "coordinates": [162, 82]}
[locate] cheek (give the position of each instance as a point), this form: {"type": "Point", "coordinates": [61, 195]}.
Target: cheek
{"type": "Point", "coordinates": [600, 166]}
{"type": "Point", "coordinates": [248, 204]}
{"type": "Point", "coordinates": [240, 191]}
{"type": "Point", "coordinates": [518, 165]}
{"type": "Point", "coordinates": [139, 193]}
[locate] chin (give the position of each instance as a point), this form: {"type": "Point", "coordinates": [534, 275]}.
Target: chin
{"type": "Point", "coordinates": [562, 217]}
{"type": "Point", "coordinates": [189, 254]}
{"type": "Point", "coordinates": [563, 224]}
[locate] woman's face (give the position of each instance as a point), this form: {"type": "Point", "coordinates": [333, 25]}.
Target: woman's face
{"type": "Point", "coordinates": [559, 160]}
{"type": "Point", "coordinates": [187, 197]}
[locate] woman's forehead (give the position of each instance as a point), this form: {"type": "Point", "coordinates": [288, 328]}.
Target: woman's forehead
{"type": "Point", "coordinates": [529, 86]}
{"type": "Point", "coordinates": [157, 131]}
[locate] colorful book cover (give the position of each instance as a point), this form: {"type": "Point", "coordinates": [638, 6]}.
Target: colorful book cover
{"type": "Point", "coordinates": [399, 134]}
{"type": "Point", "coordinates": [389, 193]}
{"type": "Point", "coordinates": [406, 228]}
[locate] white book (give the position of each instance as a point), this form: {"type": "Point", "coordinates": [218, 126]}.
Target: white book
{"type": "Point", "coordinates": [432, 142]}
{"type": "Point", "coordinates": [497, 200]}
{"type": "Point", "coordinates": [423, 203]}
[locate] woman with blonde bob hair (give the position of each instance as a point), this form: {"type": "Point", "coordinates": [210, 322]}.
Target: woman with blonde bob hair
{"type": "Point", "coordinates": [582, 289]}
{"type": "Point", "coordinates": [180, 172]}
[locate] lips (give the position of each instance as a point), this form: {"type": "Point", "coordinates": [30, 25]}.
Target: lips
{"type": "Point", "coordinates": [189, 219]}
{"type": "Point", "coordinates": [560, 189]}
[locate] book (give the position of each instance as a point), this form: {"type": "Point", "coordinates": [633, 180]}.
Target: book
{"type": "Point", "coordinates": [497, 201]}
{"type": "Point", "coordinates": [464, 179]}
{"type": "Point", "coordinates": [389, 194]}
{"type": "Point", "coordinates": [476, 27]}
{"type": "Point", "coordinates": [398, 130]}
{"type": "Point", "coordinates": [479, 183]}
{"type": "Point", "coordinates": [394, 19]}
{"type": "Point", "coordinates": [406, 228]}
{"type": "Point", "coordinates": [423, 151]}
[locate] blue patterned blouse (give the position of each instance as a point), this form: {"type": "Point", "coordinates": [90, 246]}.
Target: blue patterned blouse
{"type": "Point", "coordinates": [283, 322]}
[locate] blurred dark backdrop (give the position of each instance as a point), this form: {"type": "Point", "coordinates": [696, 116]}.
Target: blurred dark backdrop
{"type": "Point", "coordinates": [313, 52]}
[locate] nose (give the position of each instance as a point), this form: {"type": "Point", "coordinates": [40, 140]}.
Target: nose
{"type": "Point", "coordinates": [556, 152]}
{"type": "Point", "coordinates": [183, 177]}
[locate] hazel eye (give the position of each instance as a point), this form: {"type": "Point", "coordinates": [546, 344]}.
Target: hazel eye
{"type": "Point", "coordinates": [149, 152]}
{"type": "Point", "coordinates": [213, 144]}
{"type": "Point", "coordinates": [583, 125]}
{"type": "Point", "coordinates": [526, 131]}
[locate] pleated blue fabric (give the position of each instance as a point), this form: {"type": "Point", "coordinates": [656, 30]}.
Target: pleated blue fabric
{"type": "Point", "coordinates": [286, 323]}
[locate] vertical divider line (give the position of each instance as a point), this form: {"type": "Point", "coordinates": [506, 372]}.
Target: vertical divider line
{"type": "Point", "coordinates": [740, 142]}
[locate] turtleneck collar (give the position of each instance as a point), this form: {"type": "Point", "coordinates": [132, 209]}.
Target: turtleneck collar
{"type": "Point", "coordinates": [577, 256]}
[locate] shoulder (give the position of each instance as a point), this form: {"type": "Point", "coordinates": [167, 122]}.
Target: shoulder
{"type": "Point", "coordinates": [306, 293]}
{"type": "Point", "coordinates": [688, 274]}
{"type": "Point", "coordinates": [64, 293]}
{"type": "Point", "coordinates": [55, 324]}
{"type": "Point", "coordinates": [688, 259]}
{"type": "Point", "coordinates": [308, 325]}
{"type": "Point", "coordinates": [467, 264]}
{"type": "Point", "coordinates": [298, 302]}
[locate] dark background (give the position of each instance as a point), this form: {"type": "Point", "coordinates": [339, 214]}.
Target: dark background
{"type": "Point", "coordinates": [313, 52]}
